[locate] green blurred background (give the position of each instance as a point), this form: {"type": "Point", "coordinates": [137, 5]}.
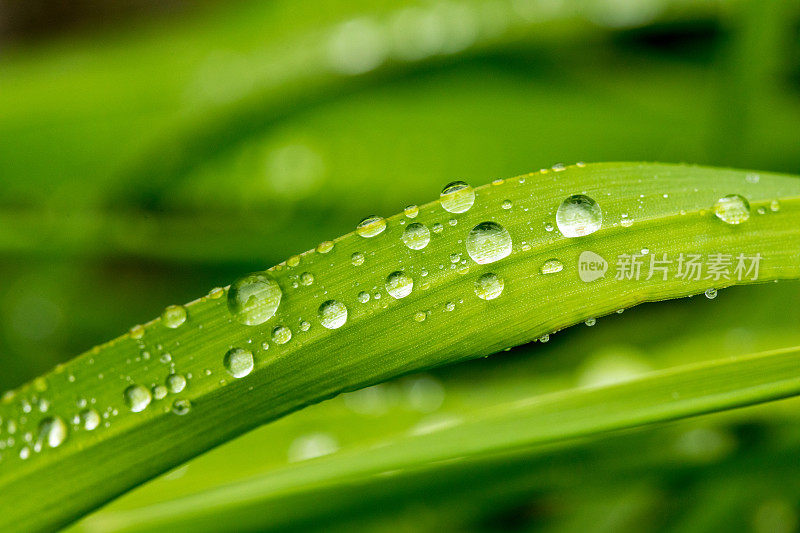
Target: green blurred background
{"type": "Point", "coordinates": [152, 150]}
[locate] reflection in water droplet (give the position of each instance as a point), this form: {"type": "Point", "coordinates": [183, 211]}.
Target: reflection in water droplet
{"type": "Point", "coordinates": [457, 197]}
{"type": "Point", "coordinates": [711, 293]}
{"type": "Point", "coordinates": [416, 236]}
{"type": "Point", "coordinates": [489, 286]}
{"type": "Point", "coordinates": [488, 242]}
{"type": "Point", "coordinates": [578, 216]}
{"type": "Point", "coordinates": [254, 299]}
{"type": "Point", "coordinates": [732, 209]}
{"type": "Point", "coordinates": [137, 398]}
{"type": "Point", "coordinates": [332, 314]}
{"type": "Point", "coordinates": [399, 285]}
{"type": "Point", "coordinates": [238, 362]}
{"type": "Point", "coordinates": [371, 226]}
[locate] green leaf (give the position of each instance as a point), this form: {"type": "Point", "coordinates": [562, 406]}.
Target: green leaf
{"type": "Point", "coordinates": [670, 207]}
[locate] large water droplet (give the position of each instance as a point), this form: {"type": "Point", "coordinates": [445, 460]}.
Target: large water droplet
{"type": "Point", "coordinates": [371, 226]}
{"type": "Point", "coordinates": [489, 286]}
{"type": "Point", "coordinates": [173, 316]}
{"type": "Point", "coordinates": [578, 216]}
{"type": "Point", "coordinates": [457, 197]}
{"type": "Point", "coordinates": [254, 299]}
{"type": "Point", "coordinates": [52, 432]}
{"type": "Point", "coordinates": [416, 236]}
{"type": "Point", "coordinates": [399, 285]}
{"type": "Point", "coordinates": [732, 209]}
{"type": "Point", "coordinates": [238, 362]}
{"type": "Point", "coordinates": [137, 398]}
{"type": "Point", "coordinates": [488, 242]}
{"type": "Point", "coordinates": [332, 314]}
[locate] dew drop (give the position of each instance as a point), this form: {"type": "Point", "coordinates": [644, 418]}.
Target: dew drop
{"type": "Point", "coordinates": [238, 362]}
{"type": "Point", "coordinates": [371, 226]}
{"type": "Point", "coordinates": [305, 325]}
{"type": "Point", "coordinates": [551, 266]}
{"type": "Point", "coordinates": [363, 297]}
{"type": "Point", "coordinates": [173, 316]}
{"type": "Point", "coordinates": [332, 314]}
{"type": "Point", "coordinates": [732, 209]}
{"type": "Point", "coordinates": [181, 407]}
{"type": "Point", "coordinates": [399, 285]}
{"type": "Point", "coordinates": [159, 392]}
{"type": "Point", "coordinates": [711, 293]}
{"type": "Point", "coordinates": [357, 259]}
{"type": "Point", "coordinates": [507, 204]}
{"type": "Point", "coordinates": [281, 335]}
{"type": "Point", "coordinates": [306, 278]}
{"type": "Point", "coordinates": [774, 206]}
{"type": "Point", "coordinates": [488, 242]}
{"type": "Point", "coordinates": [293, 261]}
{"type": "Point", "coordinates": [420, 316]}
{"type": "Point", "coordinates": [548, 226]}
{"type": "Point", "coordinates": [137, 398]}
{"type": "Point", "coordinates": [416, 236]}
{"type": "Point", "coordinates": [52, 431]}
{"type": "Point", "coordinates": [176, 383]}
{"type": "Point", "coordinates": [411, 211]}
{"type": "Point", "coordinates": [578, 216]}
{"type": "Point", "coordinates": [89, 419]}
{"type": "Point", "coordinates": [457, 197]}
{"type": "Point", "coordinates": [137, 332]}
{"type": "Point", "coordinates": [254, 299]}
{"type": "Point", "coordinates": [591, 322]}
{"type": "Point", "coordinates": [450, 306]}
{"type": "Point", "coordinates": [544, 338]}
{"type": "Point", "coordinates": [216, 293]}
{"type": "Point", "coordinates": [437, 227]}
{"type": "Point", "coordinates": [489, 286]}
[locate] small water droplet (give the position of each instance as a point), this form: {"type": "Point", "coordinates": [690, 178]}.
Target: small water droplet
{"type": "Point", "coordinates": [363, 297]}
{"type": "Point", "coordinates": [558, 167]}
{"type": "Point", "coordinates": [306, 278]}
{"type": "Point", "coordinates": [450, 306]}
{"type": "Point", "coordinates": [578, 216]}
{"type": "Point", "coordinates": [711, 293]}
{"type": "Point", "coordinates": [591, 322]}
{"type": "Point", "coordinates": [238, 362]}
{"type": "Point", "coordinates": [24, 453]}
{"type": "Point", "coordinates": [181, 407]}
{"type": "Point", "coordinates": [281, 335]}
{"type": "Point", "coordinates": [457, 197]}
{"type": "Point", "coordinates": [544, 338]}
{"type": "Point", "coordinates": [399, 285]}
{"type": "Point", "coordinates": [551, 266]}
{"type": "Point", "coordinates": [732, 209]}
{"type": "Point", "coordinates": [159, 392]}
{"type": "Point", "coordinates": [89, 419]}
{"type": "Point", "coordinates": [548, 226]}
{"type": "Point", "coordinates": [137, 398]}
{"type": "Point", "coordinates": [52, 432]}
{"type": "Point", "coordinates": [176, 383]}
{"type": "Point", "coordinates": [416, 236]}
{"type": "Point", "coordinates": [645, 251]}
{"type": "Point", "coordinates": [420, 316]}
{"type": "Point", "coordinates": [325, 246]}
{"type": "Point", "coordinates": [173, 316]}
{"type": "Point", "coordinates": [489, 286]}
{"type": "Point", "coordinates": [437, 227]}
{"type": "Point", "coordinates": [371, 226]}
{"type": "Point", "coordinates": [254, 299]}
{"type": "Point", "coordinates": [507, 204]}
{"type": "Point", "coordinates": [752, 178]}
{"type": "Point", "coordinates": [216, 293]}
{"type": "Point", "coordinates": [411, 211]}
{"type": "Point", "coordinates": [332, 314]}
{"type": "Point", "coordinates": [488, 242]}
{"type": "Point", "coordinates": [774, 206]}
{"type": "Point", "coordinates": [137, 332]}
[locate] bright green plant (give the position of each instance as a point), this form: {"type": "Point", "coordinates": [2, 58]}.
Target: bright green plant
{"type": "Point", "coordinates": [472, 273]}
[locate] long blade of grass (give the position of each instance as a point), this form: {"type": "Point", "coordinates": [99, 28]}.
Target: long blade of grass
{"type": "Point", "coordinates": [73, 469]}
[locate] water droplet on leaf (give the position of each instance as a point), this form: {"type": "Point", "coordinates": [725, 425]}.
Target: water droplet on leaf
{"type": "Point", "coordinates": [488, 242]}
{"type": "Point", "coordinates": [457, 197]}
{"type": "Point", "coordinates": [578, 216]}
{"type": "Point", "coordinates": [254, 299]}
